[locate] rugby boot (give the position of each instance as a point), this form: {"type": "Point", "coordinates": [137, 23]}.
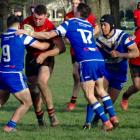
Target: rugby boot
{"type": "Point", "coordinates": [70, 106]}
{"type": "Point", "coordinates": [114, 120]}
{"type": "Point", "coordinates": [53, 120]}
{"type": "Point", "coordinates": [124, 104]}
{"type": "Point", "coordinates": [107, 126]}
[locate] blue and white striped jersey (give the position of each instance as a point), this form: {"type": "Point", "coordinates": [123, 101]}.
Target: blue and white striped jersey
{"type": "Point", "coordinates": [80, 34]}
{"type": "Point", "coordinates": [13, 50]}
{"type": "Point", "coordinates": [119, 41]}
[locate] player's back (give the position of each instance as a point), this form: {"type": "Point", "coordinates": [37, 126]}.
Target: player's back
{"type": "Point", "coordinates": [12, 58]}
{"type": "Point", "coordinates": [80, 35]}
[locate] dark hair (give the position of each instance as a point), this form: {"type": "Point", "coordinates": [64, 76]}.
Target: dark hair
{"type": "Point", "coordinates": [12, 19]}
{"type": "Point", "coordinates": [40, 9]}
{"type": "Point", "coordinates": [84, 10]}
{"type": "Point", "coordinates": [109, 19]}
{"type": "Point", "coordinates": [138, 5]}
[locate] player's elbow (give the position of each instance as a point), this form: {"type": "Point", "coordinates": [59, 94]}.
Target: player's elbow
{"type": "Point", "coordinates": [137, 53]}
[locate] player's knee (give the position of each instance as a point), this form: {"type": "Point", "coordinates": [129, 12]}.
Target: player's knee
{"type": "Point", "coordinates": [137, 86]}
{"type": "Point", "coordinates": [42, 83]}
{"type": "Point", "coordinates": [76, 78]}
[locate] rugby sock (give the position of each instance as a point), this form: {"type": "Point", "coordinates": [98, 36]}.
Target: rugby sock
{"type": "Point", "coordinates": [11, 124]}
{"type": "Point", "coordinates": [40, 115]}
{"type": "Point", "coordinates": [108, 105]}
{"type": "Point", "coordinates": [90, 113]}
{"type": "Point", "coordinates": [73, 99]}
{"type": "Point", "coordinates": [99, 110]}
{"type": "Point", "coordinates": [51, 112]}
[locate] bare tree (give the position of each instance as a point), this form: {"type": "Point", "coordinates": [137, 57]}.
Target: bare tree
{"type": "Point", "coordinates": [4, 8]}
{"type": "Point", "coordinates": [99, 7]}
{"type": "Point", "coordinates": [114, 5]}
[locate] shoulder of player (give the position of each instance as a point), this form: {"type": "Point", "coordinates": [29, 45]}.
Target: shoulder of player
{"type": "Point", "coordinates": [27, 20]}
{"type": "Point", "coordinates": [69, 15]}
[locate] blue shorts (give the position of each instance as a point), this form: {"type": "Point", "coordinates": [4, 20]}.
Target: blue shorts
{"type": "Point", "coordinates": [12, 81]}
{"type": "Point", "coordinates": [116, 80]}
{"type": "Point", "coordinates": [91, 70]}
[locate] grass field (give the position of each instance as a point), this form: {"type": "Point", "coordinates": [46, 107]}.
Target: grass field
{"type": "Point", "coordinates": [70, 127]}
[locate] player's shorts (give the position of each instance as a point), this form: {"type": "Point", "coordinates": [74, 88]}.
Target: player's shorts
{"type": "Point", "coordinates": [32, 68]}
{"type": "Point", "coordinates": [135, 70]}
{"type": "Point", "coordinates": [91, 70]}
{"type": "Point", "coordinates": [13, 81]}
{"type": "Point", "coordinates": [116, 80]}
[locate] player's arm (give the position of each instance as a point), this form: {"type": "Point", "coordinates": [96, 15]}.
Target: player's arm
{"type": "Point", "coordinates": [32, 42]}
{"type": "Point", "coordinates": [59, 48]}
{"type": "Point", "coordinates": [40, 45]}
{"type": "Point", "coordinates": [44, 35]}
{"type": "Point", "coordinates": [39, 35]}
{"type": "Point", "coordinates": [133, 52]}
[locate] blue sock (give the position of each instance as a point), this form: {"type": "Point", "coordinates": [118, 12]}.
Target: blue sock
{"type": "Point", "coordinates": [108, 105]}
{"type": "Point", "coordinates": [98, 108]}
{"type": "Point", "coordinates": [90, 113]}
{"type": "Point", "coordinates": [11, 124]}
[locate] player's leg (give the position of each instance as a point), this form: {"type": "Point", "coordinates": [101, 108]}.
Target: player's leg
{"type": "Point", "coordinates": [134, 88]}
{"type": "Point", "coordinates": [4, 93]}
{"type": "Point", "coordinates": [36, 99]}
{"type": "Point", "coordinates": [43, 78]}
{"type": "Point", "coordinates": [16, 84]}
{"type": "Point", "coordinates": [76, 86]}
{"type": "Point", "coordinates": [88, 88]}
{"type": "Point", "coordinates": [25, 99]}
{"type": "Point", "coordinates": [32, 69]}
{"type": "Point", "coordinates": [107, 101]}
{"type": "Point", "coordinates": [4, 96]}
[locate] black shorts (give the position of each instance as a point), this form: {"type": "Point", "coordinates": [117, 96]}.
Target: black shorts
{"type": "Point", "coordinates": [135, 70]}
{"type": "Point", "coordinates": [32, 68]}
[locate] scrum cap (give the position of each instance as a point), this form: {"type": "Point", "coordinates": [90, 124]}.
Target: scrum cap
{"type": "Point", "coordinates": [109, 19]}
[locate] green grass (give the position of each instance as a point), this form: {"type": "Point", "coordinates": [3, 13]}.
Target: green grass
{"type": "Point", "coordinates": [70, 127]}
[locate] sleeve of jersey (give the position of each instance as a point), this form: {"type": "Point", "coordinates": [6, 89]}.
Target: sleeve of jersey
{"type": "Point", "coordinates": [128, 40]}
{"type": "Point", "coordinates": [61, 30]}
{"type": "Point", "coordinates": [27, 40]}
{"type": "Point", "coordinates": [98, 43]}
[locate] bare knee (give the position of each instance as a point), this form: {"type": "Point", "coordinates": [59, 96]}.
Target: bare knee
{"type": "Point", "coordinates": [76, 78]}
{"type": "Point", "coordinates": [137, 86]}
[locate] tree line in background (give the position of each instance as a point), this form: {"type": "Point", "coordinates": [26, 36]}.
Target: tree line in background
{"type": "Point", "coordinates": [99, 7]}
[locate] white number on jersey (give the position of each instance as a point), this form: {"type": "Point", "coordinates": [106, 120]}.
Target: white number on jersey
{"type": "Point", "coordinates": [6, 53]}
{"type": "Point", "coordinates": [86, 39]}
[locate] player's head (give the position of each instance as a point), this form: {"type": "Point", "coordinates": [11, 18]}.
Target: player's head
{"type": "Point", "coordinates": [39, 15]}
{"type": "Point", "coordinates": [138, 5]}
{"type": "Point", "coordinates": [75, 3]}
{"type": "Point", "coordinates": [107, 24]}
{"type": "Point", "coordinates": [32, 8]}
{"type": "Point", "coordinates": [83, 10]}
{"type": "Point", "coordinates": [13, 21]}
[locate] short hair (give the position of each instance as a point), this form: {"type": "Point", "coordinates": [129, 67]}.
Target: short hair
{"type": "Point", "coordinates": [12, 19]}
{"type": "Point", "coordinates": [138, 5]}
{"type": "Point", "coordinates": [84, 10]}
{"type": "Point", "coordinates": [40, 9]}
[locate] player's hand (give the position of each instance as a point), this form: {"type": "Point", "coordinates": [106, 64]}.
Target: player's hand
{"type": "Point", "coordinates": [115, 54]}
{"type": "Point", "coordinates": [40, 59]}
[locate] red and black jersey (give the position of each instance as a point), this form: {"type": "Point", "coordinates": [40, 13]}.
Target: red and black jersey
{"type": "Point", "coordinates": [47, 26]}
{"type": "Point", "coordinates": [136, 14]}
{"type": "Point", "coordinates": [91, 18]}
{"type": "Point", "coordinates": [136, 61]}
